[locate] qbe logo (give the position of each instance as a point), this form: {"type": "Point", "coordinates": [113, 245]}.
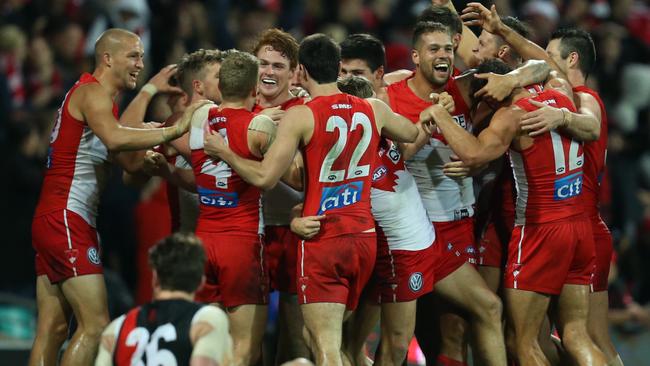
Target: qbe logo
{"type": "Point", "coordinates": [340, 196]}
{"type": "Point", "coordinates": [218, 198]}
{"type": "Point", "coordinates": [460, 120]}
{"type": "Point", "coordinates": [568, 187]}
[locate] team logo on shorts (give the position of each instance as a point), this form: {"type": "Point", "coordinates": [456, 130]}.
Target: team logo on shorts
{"type": "Point", "coordinates": [415, 282]}
{"type": "Point", "coordinates": [93, 256]}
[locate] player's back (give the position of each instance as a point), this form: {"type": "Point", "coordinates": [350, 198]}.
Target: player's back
{"type": "Point", "coordinates": [338, 161]}
{"type": "Point", "coordinates": [444, 198]}
{"type": "Point", "coordinates": [163, 325]}
{"type": "Point", "coordinates": [226, 202]}
{"type": "Point", "coordinates": [548, 174]}
{"type": "Point", "coordinates": [76, 164]}
{"type": "Point", "coordinates": [595, 155]}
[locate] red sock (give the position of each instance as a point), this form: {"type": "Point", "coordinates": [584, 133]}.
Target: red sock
{"type": "Point", "coordinates": [443, 360]}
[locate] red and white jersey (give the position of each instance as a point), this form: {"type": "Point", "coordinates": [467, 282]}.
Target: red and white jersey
{"type": "Point", "coordinates": [76, 164]}
{"type": "Point", "coordinates": [279, 201]}
{"type": "Point", "coordinates": [226, 202]}
{"type": "Point", "coordinates": [595, 155]}
{"type": "Point", "coordinates": [444, 198]}
{"type": "Point", "coordinates": [548, 175]}
{"type": "Point", "coordinates": [396, 203]}
{"type": "Point", "coordinates": [338, 162]}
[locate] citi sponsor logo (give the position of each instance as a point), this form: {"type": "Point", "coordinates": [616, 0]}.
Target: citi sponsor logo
{"type": "Point", "coordinates": [340, 196]}
{"type": "Point", "coordinates": [568, 187]}
{"type": "Point", "coordinates": [379, 173]}
{"type": "Point", "coordinates": [218, 198]}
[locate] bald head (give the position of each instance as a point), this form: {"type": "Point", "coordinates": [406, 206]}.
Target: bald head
{"type": "Point", "coordinates": [111, 41]}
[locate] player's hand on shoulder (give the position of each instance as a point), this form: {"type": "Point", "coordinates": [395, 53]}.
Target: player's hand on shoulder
{"type": "Point", "coordinates": [185, 121]}
{"type": "Point", "coordinates": [542, 120]}
{"type": "Point", "coordinates": [275, 113]}
{"type": "Point", "coordinates": [164, 79]}
{"type": "Point", "coordinates": [306, 227]}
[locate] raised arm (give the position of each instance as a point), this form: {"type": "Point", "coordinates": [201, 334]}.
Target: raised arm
{"type": "Point", "coordinates": [265, 174]}
{"type": "Point", "coordinates": [476, 151]}
{"type": "Point", "coordinates": [94, 105]}
{"type": "Point", "coordinates": [392, 125]}
{"type": "Point", "coordinates": [468, 40]}
{"type": "Point", "coordinates": [477, 14]}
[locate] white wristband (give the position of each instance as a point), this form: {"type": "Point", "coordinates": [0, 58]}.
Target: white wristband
{"type": "Point", "coordinates": [149, 88]}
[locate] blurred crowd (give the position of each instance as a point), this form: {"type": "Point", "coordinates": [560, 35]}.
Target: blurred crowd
{"type": "Point", "coordinates": [46, 44]}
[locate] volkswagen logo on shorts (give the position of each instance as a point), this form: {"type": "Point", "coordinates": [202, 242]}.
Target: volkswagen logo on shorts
{"type": "Point", "coordinates": [93, 256]}
{"type": "Point", "coordinates": [415, 282]}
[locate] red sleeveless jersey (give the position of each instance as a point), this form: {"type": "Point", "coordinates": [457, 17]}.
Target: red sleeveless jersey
{"type": "Point", "coordinates": [548, 175]}
{"type": "Point", "coordinates": [226, 202]}
{"type": "Point", "coordinates": [338, 161]}
{"type": "Point", "coordinates": [76, 164]}
{"type": "Point", "coordinates": [595, 155]}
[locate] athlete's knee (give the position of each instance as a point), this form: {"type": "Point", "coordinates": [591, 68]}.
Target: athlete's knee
{"type": "Point", "coordinates": [489, 307]}
{"type": "Point", "coordinates": [55, 331]}
{"type": "Point", "coordinates": [575, 338]}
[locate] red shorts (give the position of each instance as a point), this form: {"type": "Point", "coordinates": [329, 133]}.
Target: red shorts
{"type": "Point", "coordinates": [545, 257]}
{"type": "Point", "coordinates": [235, 270]}
{"type": "Point", "coordinates": [402, 275]}
{"type": "Point", "coordinates": [603, 245]}
{"type": "Point", "coordinates": [282, 253]}
{"type": "Point", "coordinates": [66, 246]}
{"type": "Point", "coordinates": [335, 269]}
{"type": "Point", "coordinates": [493, 244]}
{"type": "Point", "coordinates": [455, 246]}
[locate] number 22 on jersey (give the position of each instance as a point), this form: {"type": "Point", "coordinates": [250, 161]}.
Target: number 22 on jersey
{"type": "Point", "coordinates": [354, 170]}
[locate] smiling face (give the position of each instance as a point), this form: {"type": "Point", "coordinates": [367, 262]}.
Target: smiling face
{"type": "Point", "coordinates": [275, 73]}
{"type": "Point", "coordinates": [127, 61]}
{"type": "Point", "coordinates": [434, 57]}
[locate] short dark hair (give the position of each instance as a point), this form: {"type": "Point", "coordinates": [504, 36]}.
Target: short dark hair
{"type": "Point", "coordinates": [321, 57]}
{"type": "Point", "coordinates": [579, 41]}
{"type": "Point", "coordinates": [238, 75]}
{"type": "Point", "coordinates": [364, 47]}
{"type": "Point", "coordinates": [427, 27]}
{"type": "Point", "coordinates": [443, 15]}
{"type": "Point", "coordinates": [280, 41]}
{"type": "Point", "coordinates": [192, 64]}
{"type": "Point", "coordinates": [356, 85]}
{"type": "Point", "coordinates": [492, 65]}
{"type": "Point", "coordinates": [179, 261]}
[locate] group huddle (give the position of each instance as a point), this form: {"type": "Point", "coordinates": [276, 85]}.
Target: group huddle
{"type": "Point", "coordinates": [457, 202]}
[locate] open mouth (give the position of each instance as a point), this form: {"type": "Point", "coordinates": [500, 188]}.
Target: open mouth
{"type": "Point", "coordinates": [441, 67]}
{"type": "Point", "coordinates": [267, 81]}
{"type": "Point", "coordinates": [134, 75]}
